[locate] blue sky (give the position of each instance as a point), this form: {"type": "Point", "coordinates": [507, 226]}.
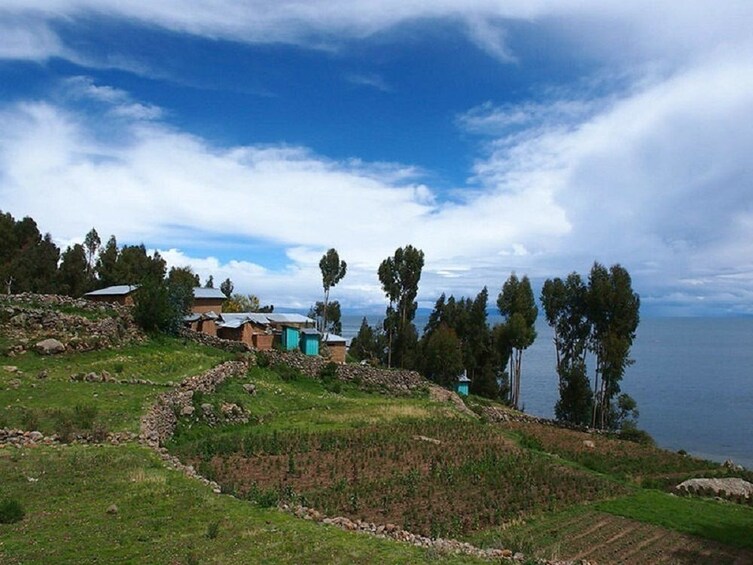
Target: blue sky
{"type": "Point", "coordinates": [246, 138]}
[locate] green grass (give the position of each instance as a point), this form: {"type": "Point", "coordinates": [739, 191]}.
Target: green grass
{"type": "Point", "coordinates": [162, 517]}
{"type": "Point", "coordinates": [725, 522]}
{"type": "Point", "coordinates": [119, 406]}
{"type": "Point", "coordinates": [307, 404]}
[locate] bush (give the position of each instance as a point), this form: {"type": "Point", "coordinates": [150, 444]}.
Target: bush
{"type": "Point", "coordinates": [213, 529]}
{"type": "Point", "coordinates": [286, 372]}
{"type": "Point", "coordinates": [262, 359]}
{"type": "Point", "coordinates": [637, 436]}
{"type": "Point", "coordinates": [328, 371]}
{"type": "Point", "coordinates": [11, 511]}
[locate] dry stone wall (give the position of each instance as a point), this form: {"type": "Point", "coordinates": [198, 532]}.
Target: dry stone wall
{"type": "Point", "coordinates": [29, 319]}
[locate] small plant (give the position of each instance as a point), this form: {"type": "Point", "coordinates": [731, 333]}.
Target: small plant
{"type": "Point", "coordinates": [11, 511]}
{"type": "Point", "coordinates": [118, 368]}
{"type": "Point", "coordinates": [213, 528]}
{"type": "Point", "coordinates": [262, 359]}
{"type": "Point", "coordinates": [30, 419]}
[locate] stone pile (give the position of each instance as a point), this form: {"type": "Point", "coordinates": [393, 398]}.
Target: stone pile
{"type": "Point", "coordinates": [21, 438]}
{"type": "Point", "coordinates": [442, 545]}
{"type": "Point", "coordinates": [214, 341]}
{"type": "Point", "coordinates": [159, 422]}
{"type": "Point", "coordinates": [36, 320]}
{"type": "Point", "coordinates": [106, 377]}
{"type": "Point", "coordinates": [395, 381]}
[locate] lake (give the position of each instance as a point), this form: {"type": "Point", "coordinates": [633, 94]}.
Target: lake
{"type": "Point", "coordinates": [692, 380]}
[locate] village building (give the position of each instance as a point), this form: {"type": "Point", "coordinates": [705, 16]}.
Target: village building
{"type": "Point", "coordinates": [309, 343]}
{"type": "Point", "coordinates": [337, 347]}
{"type": "Point", "coordinates": [120, 294]}
{"type": "Point", "coordinates": [463, 384]}
{"type": "Point", "coordinates": [207, 300]}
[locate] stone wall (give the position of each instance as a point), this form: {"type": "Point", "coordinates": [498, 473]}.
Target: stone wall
{"type": "Point", "coordinates": [395, 381]}
{"type": "Point", "coordinates": [28, 318]}
{"type": "Point", "coordinates": [214, 341]}
{"type": "Point", "coordinates": [160, 421]}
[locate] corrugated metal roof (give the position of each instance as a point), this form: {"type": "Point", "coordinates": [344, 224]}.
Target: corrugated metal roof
{"type": "Point", "coordinates": [234, 323]}
{"type": "Point", "coordinates": [309, 331]}
{"type": "Point", "coordinates": [332, 338]}
{"type": "Point", "coordinates": [192, 318]}
{"type": "Point", "coordinates": [289, 319]}
{"type": "Point", "coordinates": [254, 317]}
{"type": "Point", "coordinates": [215, 293]}
{"type": "Point", "coordinates": [117, 290]}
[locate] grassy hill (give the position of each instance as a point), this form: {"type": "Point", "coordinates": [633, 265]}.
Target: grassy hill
{"type": "Point", "coordinates": [407, 460]}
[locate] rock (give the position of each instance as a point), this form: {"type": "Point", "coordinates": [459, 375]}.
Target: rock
{"type": "Point", "coordinates": [112, 509]}
{"type": "Point", "coordinates": [10, 368]}
{"type": "Point", "coordinates": [187, 410]}
{"type": "Point", "coordinates": [589, 444]}
{"type": "Point", "coordinates": [42, 374]}
{"type": "Point", "coordinates": [14, 383]}
{"type": "Point", "coordinates": [250, 388]}
{"type": "Point", "coordinates": [729, 486]}
{"type": "Point", "coordinates": [36, 436]}
{"type": "Point", "coordinates": [49, 347]}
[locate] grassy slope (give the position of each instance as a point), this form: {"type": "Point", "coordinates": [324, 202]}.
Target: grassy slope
{"type": "Point", "coordinates": [119, 406]}
{"type": "Point", "coordinates": [162, 517]}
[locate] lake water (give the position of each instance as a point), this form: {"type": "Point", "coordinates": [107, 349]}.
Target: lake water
{"type": "Point", "coordinates": [692, 380]}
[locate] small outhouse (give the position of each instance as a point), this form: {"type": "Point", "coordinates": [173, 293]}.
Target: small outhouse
{"type": "Point", "coordinates": [464, 383]}
{"type": "Point", "coordinates": [290, 338]}
{"type": "Point", "coordinates": [310, 341]}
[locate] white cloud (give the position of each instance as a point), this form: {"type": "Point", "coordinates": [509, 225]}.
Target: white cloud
{"type": "Point", "coordinates": [641, 29]}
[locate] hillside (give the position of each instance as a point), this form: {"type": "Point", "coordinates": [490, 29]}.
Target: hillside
{"type": "Point", "coordinates": [339, 450]}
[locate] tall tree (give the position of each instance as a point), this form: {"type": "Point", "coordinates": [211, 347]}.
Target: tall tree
{"type": "Point", "coordinates": [332, 315]}
{"type": "Point", "coordinates": [517, 304]}
{"type": "Point", "coordinates": [227, 287]}
{"type": "Point", "coordinates": [333, 270]}
{"type": "Point", "coordinates": [369, 344]}
{"type": "Point", "coordinates": [210, 282]}
{"type": "Point", "coordinates": [443, 356]}
{"type": "Point", "coordinates": [399, 276]}
{"type": "Point", "coordinates": [92, 243]}
{"type": "Point", "coordinates": [73, 273]}
{"type": "Point", "coordinates": [613, 308]}
{"type": "Point", "coordinates": [107, 262]}
{"type": "Point", "coordinates": [184, 276]}
{"type": "Point", "coordinates": [566, 309]}
{"type": "Point", "coordinates": [134, 265]}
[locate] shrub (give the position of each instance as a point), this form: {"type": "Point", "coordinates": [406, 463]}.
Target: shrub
{"type": "Point", "coordinates": [286, 372]}
{"type": "Point", "coordinates": [637, 436]}
{"type": "Point", "coordinates": [262, 359]}
{"type": "Point", "coordinates": [213, 528]}
{"type": "Point", "coordinates": [11, 511]}
{"type": "Point", "coordinates": [328, 371]}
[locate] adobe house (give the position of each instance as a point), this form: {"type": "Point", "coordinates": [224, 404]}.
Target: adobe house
{"type": "Point", "coordinates": [310, 341]}
{"type": "Point", "coordinates": [207, 300]}
{"type": "Point", "coordinates": [208, 323]}
{"type": "Point", "coordinates": [236, 329]}
{"type": "Point", "coordinates": [119, 294]}
{"type": "Point", "coordinates": [336, 346]}
{"type": "Point", "coordinates": [191, 321]}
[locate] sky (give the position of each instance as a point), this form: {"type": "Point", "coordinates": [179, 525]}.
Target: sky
{"type": "Point", "coordinates": [245, 138]}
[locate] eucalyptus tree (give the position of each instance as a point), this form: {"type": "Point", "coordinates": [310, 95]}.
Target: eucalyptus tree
{"type": "Point", "coordinates": [333, 270]}
{"type": "Point", "coordinates": [613, 308]}
{"type": "Point", "coordinates": [517, 304]}
{"type": "Point", "coordinates": [566, 309]}
{"type": "Point", "coordinates": [399, 276]}
{"type": "Point", "coordinates": [92, 244]}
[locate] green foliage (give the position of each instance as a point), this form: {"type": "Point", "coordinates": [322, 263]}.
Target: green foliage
{"type": "Point", "coordinates": [517, 304]}
{"type": "Point", "coordinates": [369, 344]}
{"type": "Point", "coordinates": [159, 306]}
{"type": "Point", "coordinates": [443, 356]}
{"type": "Point", "coordinates": [28, 260]}
{"type": "Point", "coordinates": [399, 276]}
{"type": "Point", "coordinates": [227, 287]}
{"type": "Point", "coordinates": [11, 511]}
{"type": "Point", "coordinates": [329, 321]}
{"type": "Point", "coordinates": [575, 402]}
{"type": "Point", "coordinates": [213, 529]}
{"type": "Point", "coordinates": [74, 275]}
{"type": "Point", "coordinates": [333, 270]}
